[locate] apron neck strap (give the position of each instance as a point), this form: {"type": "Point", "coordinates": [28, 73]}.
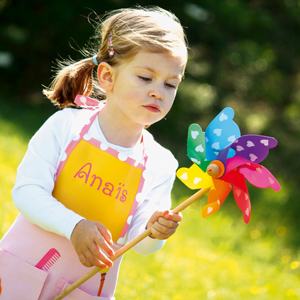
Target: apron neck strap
{"type": "Point", "coordinates": [89, 103]}
{"type": "Point", "coordinates": [95, 105]}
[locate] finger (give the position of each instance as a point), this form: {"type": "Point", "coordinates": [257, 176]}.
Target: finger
{"type": "Point", "coordinates": [103, 244]}
{"type": "Point", "coordinates": [159, 234]}
{"type": "Point", "coordinates": [155, 217]}
{"type": "Point", "coordinates": [164, 229]}
{"type": "Point", "coordinates": [168, 223]}
{"type": "Point", "coordinates": [173, 216]}
{"type": "Point", "coordinates": [105, 233]}
{"type": "Point", "coordinates": [97, 258]}
{"type": "Point", "coordinates": [101, 255]}
{"type": "Point", "coordinates": [159, 214]}
{"type": "Point", "coordinates": [84, 260]}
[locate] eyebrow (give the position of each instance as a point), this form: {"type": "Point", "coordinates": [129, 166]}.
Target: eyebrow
{"type": "Point", "coordinates": [153, 71]}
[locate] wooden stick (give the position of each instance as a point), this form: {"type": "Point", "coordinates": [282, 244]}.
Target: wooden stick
{"type": "Point", "coordinates": [128, 246]}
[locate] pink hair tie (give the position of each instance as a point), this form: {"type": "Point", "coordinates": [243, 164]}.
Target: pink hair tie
{"type": "Point", "coordinates": [110, 47]}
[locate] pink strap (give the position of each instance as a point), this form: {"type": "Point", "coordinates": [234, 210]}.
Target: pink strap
{"type": "Point", "coordinates": [89, 103]}
{"type": "Point", "coordinates": [60, 286]}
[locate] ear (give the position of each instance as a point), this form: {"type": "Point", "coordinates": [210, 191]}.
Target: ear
{"type": "Point", "coordinates": [105, 76]}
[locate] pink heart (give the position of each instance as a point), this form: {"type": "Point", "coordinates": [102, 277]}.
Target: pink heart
{"type": "Point", "coordinates": [265, 142]}
{"type": "Point", "coordinates": [238, 192]}
{"type": "Point", "coordinates": [252, 157]}
{"type": "Point", "coordinates": [259, 170]}
{"type": "Point", "coordinates": [250, 144]}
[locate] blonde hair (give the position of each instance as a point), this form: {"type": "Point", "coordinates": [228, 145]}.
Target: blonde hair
{"type": "Point", "coordinates": [132, 29]}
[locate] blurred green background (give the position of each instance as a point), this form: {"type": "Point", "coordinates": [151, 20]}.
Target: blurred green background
{"type": "Point", "coordinates": [243, 54]}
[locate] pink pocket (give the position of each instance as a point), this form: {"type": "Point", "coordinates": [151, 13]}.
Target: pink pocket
{"type": "Point", "coordinates": [77, 294]}
{"type": "Point", "coordinates": [19, 280]}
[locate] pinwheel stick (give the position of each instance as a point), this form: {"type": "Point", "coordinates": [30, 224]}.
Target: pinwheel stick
{"type": "Point", "coordinates": [129, 245]}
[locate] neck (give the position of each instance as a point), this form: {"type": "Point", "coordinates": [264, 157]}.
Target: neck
{"type": "Point", "coordinates": [118, 133]}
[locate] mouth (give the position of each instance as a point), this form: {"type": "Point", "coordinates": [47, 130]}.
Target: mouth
{"type": "Point", "coordinates": [153, 107]}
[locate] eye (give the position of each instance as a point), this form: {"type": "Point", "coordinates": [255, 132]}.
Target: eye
{"type": "Point", "coordinates": [144, 78]}
{"type": "Point", "coordinates": [171, 86]}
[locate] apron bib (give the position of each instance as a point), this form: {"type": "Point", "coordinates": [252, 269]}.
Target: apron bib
{"type": "Point", "coordinates": [96, 182]}
{"type": "Point", "coordinates": [100, 184]}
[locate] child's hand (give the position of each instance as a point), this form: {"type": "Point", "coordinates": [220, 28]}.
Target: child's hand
{"type": "Point", "coordinates": [92, 241]}
{"type": "Point", "coordinates": [164, 224]}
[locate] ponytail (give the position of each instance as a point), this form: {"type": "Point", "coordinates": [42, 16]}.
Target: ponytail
{"type": "Point", "coordinates": [124, 32]}
{"type": "Point", "coordinates": [73, 79]}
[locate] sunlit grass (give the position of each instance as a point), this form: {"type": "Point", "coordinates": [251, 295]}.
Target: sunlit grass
{"type": "Point", "coordinates": [12, 149]}
{"type": "Point", "coordinates": [215, 258]}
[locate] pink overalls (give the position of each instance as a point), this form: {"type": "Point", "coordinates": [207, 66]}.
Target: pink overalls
{"type": "Point", "coordinates": [96, 182]}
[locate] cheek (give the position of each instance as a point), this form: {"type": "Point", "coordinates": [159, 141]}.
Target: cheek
{"type": "Point", "coordinates": [134, 94]}
{"type": "Point", "coordinates": [169, 103]}
{"type": "Point", "coordinates": [126, 93]}
{"type": "Point", "coordinates": [171, 99]}
{"type": "Point", "coordinates": [170, 106]}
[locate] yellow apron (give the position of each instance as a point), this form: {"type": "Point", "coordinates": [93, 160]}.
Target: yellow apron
{"type": "Point", "coordinates": [96, 182]}
{"type": "Point", "coordinates": [100, 185]}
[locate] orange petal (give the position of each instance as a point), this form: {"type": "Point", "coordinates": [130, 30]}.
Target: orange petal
{"type": "Point", "coordinates": [210, 209]}
{"type": "Point", "coordinates": [223, 188]}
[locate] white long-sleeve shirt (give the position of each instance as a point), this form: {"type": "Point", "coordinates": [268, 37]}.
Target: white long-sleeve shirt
{"type": "Point", "coordinates": [32, 193]}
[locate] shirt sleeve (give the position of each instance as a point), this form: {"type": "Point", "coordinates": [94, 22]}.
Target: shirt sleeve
{"type": "Point", "coordinates": [32, 193]}
{"type": "Point", "coordinates": [159, 198]}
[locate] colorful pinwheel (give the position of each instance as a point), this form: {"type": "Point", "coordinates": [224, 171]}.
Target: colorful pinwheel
{"type": "Point", "coordinates": [224, 159]}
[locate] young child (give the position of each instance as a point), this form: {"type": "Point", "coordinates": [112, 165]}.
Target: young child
{"type": "Point", "coordinates": [94, 178]}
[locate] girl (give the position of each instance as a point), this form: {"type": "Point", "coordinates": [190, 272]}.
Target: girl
{"type": "Point", "coordinates": [94, 178]}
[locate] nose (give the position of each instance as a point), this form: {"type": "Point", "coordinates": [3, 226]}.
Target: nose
{"type": "Point", "coordinates": [157, 93]}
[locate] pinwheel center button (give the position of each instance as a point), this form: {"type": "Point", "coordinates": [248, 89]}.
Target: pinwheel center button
{"type": "Point", "coordinates": [216, 169]}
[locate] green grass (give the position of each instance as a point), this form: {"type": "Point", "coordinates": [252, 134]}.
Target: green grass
{"type": "Point", "coordinates": [215, 258]}
{"type": "Point", "coordinates": [12, 149]}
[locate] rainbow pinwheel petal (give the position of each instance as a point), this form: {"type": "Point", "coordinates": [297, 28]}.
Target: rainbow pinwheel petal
{"type": "Point", "coordinates": [240, 156]}
{"type": "Point", "coordinates": [252, 147]}
{"type": "Point", "coordinates": [221, 132]}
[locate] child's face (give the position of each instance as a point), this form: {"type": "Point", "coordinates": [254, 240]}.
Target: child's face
{"type": "Point", "coordinates": [145, 87]}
